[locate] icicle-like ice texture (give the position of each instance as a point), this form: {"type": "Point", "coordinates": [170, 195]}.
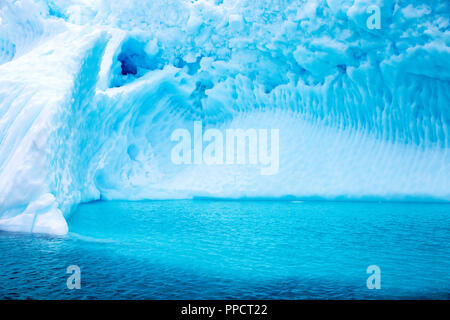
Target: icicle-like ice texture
{"type": "Point", "coordinates": [90, 92]}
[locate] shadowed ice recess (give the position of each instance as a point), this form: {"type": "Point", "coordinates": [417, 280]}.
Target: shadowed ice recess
{"type": "Point", "coordinates": [90, 93]}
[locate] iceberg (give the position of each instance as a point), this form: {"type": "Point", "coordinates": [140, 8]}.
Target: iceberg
{"type": "Point", "coordinates": [91, 91]}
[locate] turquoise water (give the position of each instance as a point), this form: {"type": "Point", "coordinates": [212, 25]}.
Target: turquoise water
{"type": "Point", "coordinates": [202, 249]}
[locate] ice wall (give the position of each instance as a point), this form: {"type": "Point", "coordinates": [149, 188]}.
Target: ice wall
{"type": "Point", "coordinates": [90, 92]}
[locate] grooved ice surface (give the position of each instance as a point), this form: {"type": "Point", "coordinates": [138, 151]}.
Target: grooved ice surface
{"type": "Point", "coordinates": [90, 92]}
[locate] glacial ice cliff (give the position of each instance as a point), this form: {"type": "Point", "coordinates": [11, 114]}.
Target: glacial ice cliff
{"type": "Point", "coordinates": [90, 92]}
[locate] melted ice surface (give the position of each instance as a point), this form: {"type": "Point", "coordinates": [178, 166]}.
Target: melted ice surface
{"type": "Point", "coordinates": [90, 92]}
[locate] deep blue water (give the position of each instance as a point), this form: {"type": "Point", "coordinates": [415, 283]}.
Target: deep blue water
{"type": "Point", "coordinates": [199, 249]}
